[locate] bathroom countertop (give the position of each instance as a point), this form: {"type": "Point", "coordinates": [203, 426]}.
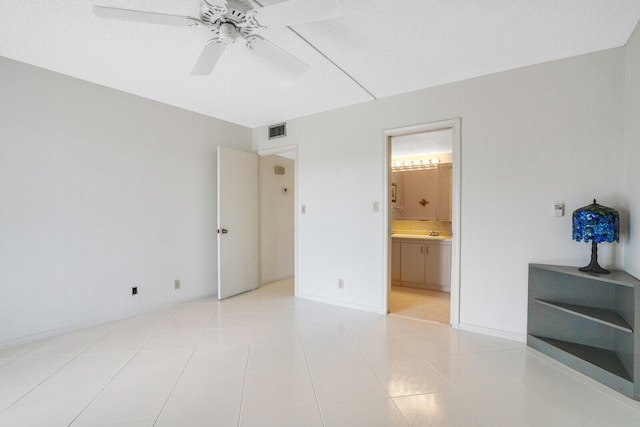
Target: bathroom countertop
{"type": "Point", "coordinates": [416, 236]}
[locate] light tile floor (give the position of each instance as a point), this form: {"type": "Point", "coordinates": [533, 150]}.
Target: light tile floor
{"type": "Point", "coordinates": [267, 359]}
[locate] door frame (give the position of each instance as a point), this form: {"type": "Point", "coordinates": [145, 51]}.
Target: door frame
{"type": "Point", "coordinates": [453, 124]}
{"type": "Point", "coordinates": [275, 151]}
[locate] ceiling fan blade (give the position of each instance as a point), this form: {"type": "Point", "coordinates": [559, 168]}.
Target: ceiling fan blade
{"type": "Point", "coordinates": [295, 12]}
{"type": "Point", "coordinates": [208, 58]}
{"type": "Point", "coordinates": [277, 58]}
{"type": "Point", "coordinates": [141, 16]}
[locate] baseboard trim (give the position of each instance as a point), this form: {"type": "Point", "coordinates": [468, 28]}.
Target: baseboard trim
{"type": "Point", "coordinates": [513, 336]}
{"type": "Point", "coordinates": [344, 304]}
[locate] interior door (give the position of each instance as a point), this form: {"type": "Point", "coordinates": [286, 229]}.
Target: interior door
{"type": "Point", "coordinates": [237, 222]}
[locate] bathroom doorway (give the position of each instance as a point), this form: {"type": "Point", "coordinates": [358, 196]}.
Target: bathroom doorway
{"type": "Point", "coordinates": [277, 199]}
{"type": "Point", "coordinates": [423, 203]}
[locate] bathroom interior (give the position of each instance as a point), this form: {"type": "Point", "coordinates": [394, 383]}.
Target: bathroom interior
{"type": "Point", "coordinates": [421, 225]}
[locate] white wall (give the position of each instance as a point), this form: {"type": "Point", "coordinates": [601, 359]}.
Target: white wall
{"type": "Point", "coordinates": [632, 153]}
{"type": "Point", "coordinates": [100, 190]}
{"type": "Point", "coordinates": [532, 136]}
{"type": "Point", "coordinates": [276, 219]}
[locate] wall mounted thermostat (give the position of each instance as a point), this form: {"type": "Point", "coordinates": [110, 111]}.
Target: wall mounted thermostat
{"type": "Point", "coordinates": [558, 208]}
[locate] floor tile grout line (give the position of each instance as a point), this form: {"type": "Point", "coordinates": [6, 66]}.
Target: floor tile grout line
{"type": "Point", "coordinates": [376, 376]}
{"type": "Point", "coordinates": [585, 381]}
{"type": "Point", "coordinates": [313, 383]}
{"type": "Point", "coordinates": [28, 351]}
{"type": "Point", "coordinates": [90, 402]}
{"type": "Point", "coordinates": [489, 352]}
{"type": "Point", "coordinates": [246, 369]}
{"type": "Point", "coordinates": [464, 391]}
{"type": "Point", "coordinates": [135, 354]}
{"type": "Point", "coordinates": [18, 398]}
{"type": "Point", "coordinates": [25, 355]}
{"type": "Point", "coordinates": [53, 374]}
{"type": "Point", "coordinates": [21, 357]}
{"type": "Point", "coordinates": [40, 383]}
{"type": "Point", "coordinates": [103, 388]}
{"type": "Point", "coordinates": [178, 379]}
{"type": "Point", "coordinates": [549, 401]}
{"type": "Point", "coordinates": [95, 343]}
{"type": "Point", "coordinates": [486, 414]}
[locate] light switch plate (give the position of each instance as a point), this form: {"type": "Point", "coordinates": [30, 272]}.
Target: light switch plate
{"type": "Point", "coordinates": [558, 209]}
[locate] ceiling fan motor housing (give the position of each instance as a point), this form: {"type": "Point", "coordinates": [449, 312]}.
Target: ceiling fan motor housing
{"type": "Point", "coordinates": [228, 22]}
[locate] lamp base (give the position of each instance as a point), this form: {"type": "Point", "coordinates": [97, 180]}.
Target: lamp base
{"type": "Point", "coordinates": [594, 269]}
{"type": "Point", "coordinates": [593, 266]}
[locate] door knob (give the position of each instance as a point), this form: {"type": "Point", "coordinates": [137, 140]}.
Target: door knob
{"type": "Point", "coordinates": [222, 231]}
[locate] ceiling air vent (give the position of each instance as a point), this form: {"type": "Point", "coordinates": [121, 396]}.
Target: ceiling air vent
{"type": "Point", "coordinates": [278, 131]}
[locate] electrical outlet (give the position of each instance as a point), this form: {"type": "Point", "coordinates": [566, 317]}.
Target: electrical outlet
{"type": "Point", "coordinates": [176, 284]}
{"type": "Point", "coordinates": [340, 283]}
{"type": "Point", "coordinates": [134, 290]}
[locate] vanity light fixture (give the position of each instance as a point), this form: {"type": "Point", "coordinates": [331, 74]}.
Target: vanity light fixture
{"type": "Point", "coordinates": [415, 164]}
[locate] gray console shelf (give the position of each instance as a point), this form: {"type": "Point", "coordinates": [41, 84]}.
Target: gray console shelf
{"type": "Point", "coordinates": [589, 322]}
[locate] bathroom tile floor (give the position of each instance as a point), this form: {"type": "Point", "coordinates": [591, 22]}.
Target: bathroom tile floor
{"type": "Point", "coordinates": [267, 359]}
{"type": "Point", "coordinates": [420, 304]}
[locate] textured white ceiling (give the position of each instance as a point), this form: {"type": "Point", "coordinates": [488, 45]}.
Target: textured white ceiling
{"type": "Point", "coordinates": [389, 47]}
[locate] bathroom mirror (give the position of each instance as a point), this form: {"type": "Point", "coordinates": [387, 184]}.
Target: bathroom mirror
{"type": "Point", "coordinates": [421, 175]}
{"type": "Point", "coordinates": [423, 194]}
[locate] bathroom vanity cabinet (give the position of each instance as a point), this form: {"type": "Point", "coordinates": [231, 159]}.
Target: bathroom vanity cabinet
{"type": "Point", "coordinates": [395, 262]}
{"type": "Point", "coordinates": [587, 322]}
{"type": "Point", "coordinates": [421, 263]}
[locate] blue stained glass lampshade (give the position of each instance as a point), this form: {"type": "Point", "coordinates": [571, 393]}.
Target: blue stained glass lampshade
{"type": "Point", "coordinates": [596, 223]}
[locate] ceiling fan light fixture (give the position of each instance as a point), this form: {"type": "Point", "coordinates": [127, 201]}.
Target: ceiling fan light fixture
{"type": "Point", "coordinates": [230, 20]}
{"type": "Point", "coordinates": [228, 33]}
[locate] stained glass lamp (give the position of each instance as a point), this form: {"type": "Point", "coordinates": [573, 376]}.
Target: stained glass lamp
{"type": "Point", "coordinates": [599, 224]}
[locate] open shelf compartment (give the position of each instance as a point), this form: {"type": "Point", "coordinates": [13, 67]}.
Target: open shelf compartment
{"type": "Point", "coordinates": [601, 315]}
{"type": "Point", "coordinates": [604, 359]}
{"type": "Point", "coordinates": [588, 322]}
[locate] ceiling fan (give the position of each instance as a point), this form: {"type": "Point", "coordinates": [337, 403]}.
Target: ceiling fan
{"type": "Point", "coordinates": [236, 20]}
